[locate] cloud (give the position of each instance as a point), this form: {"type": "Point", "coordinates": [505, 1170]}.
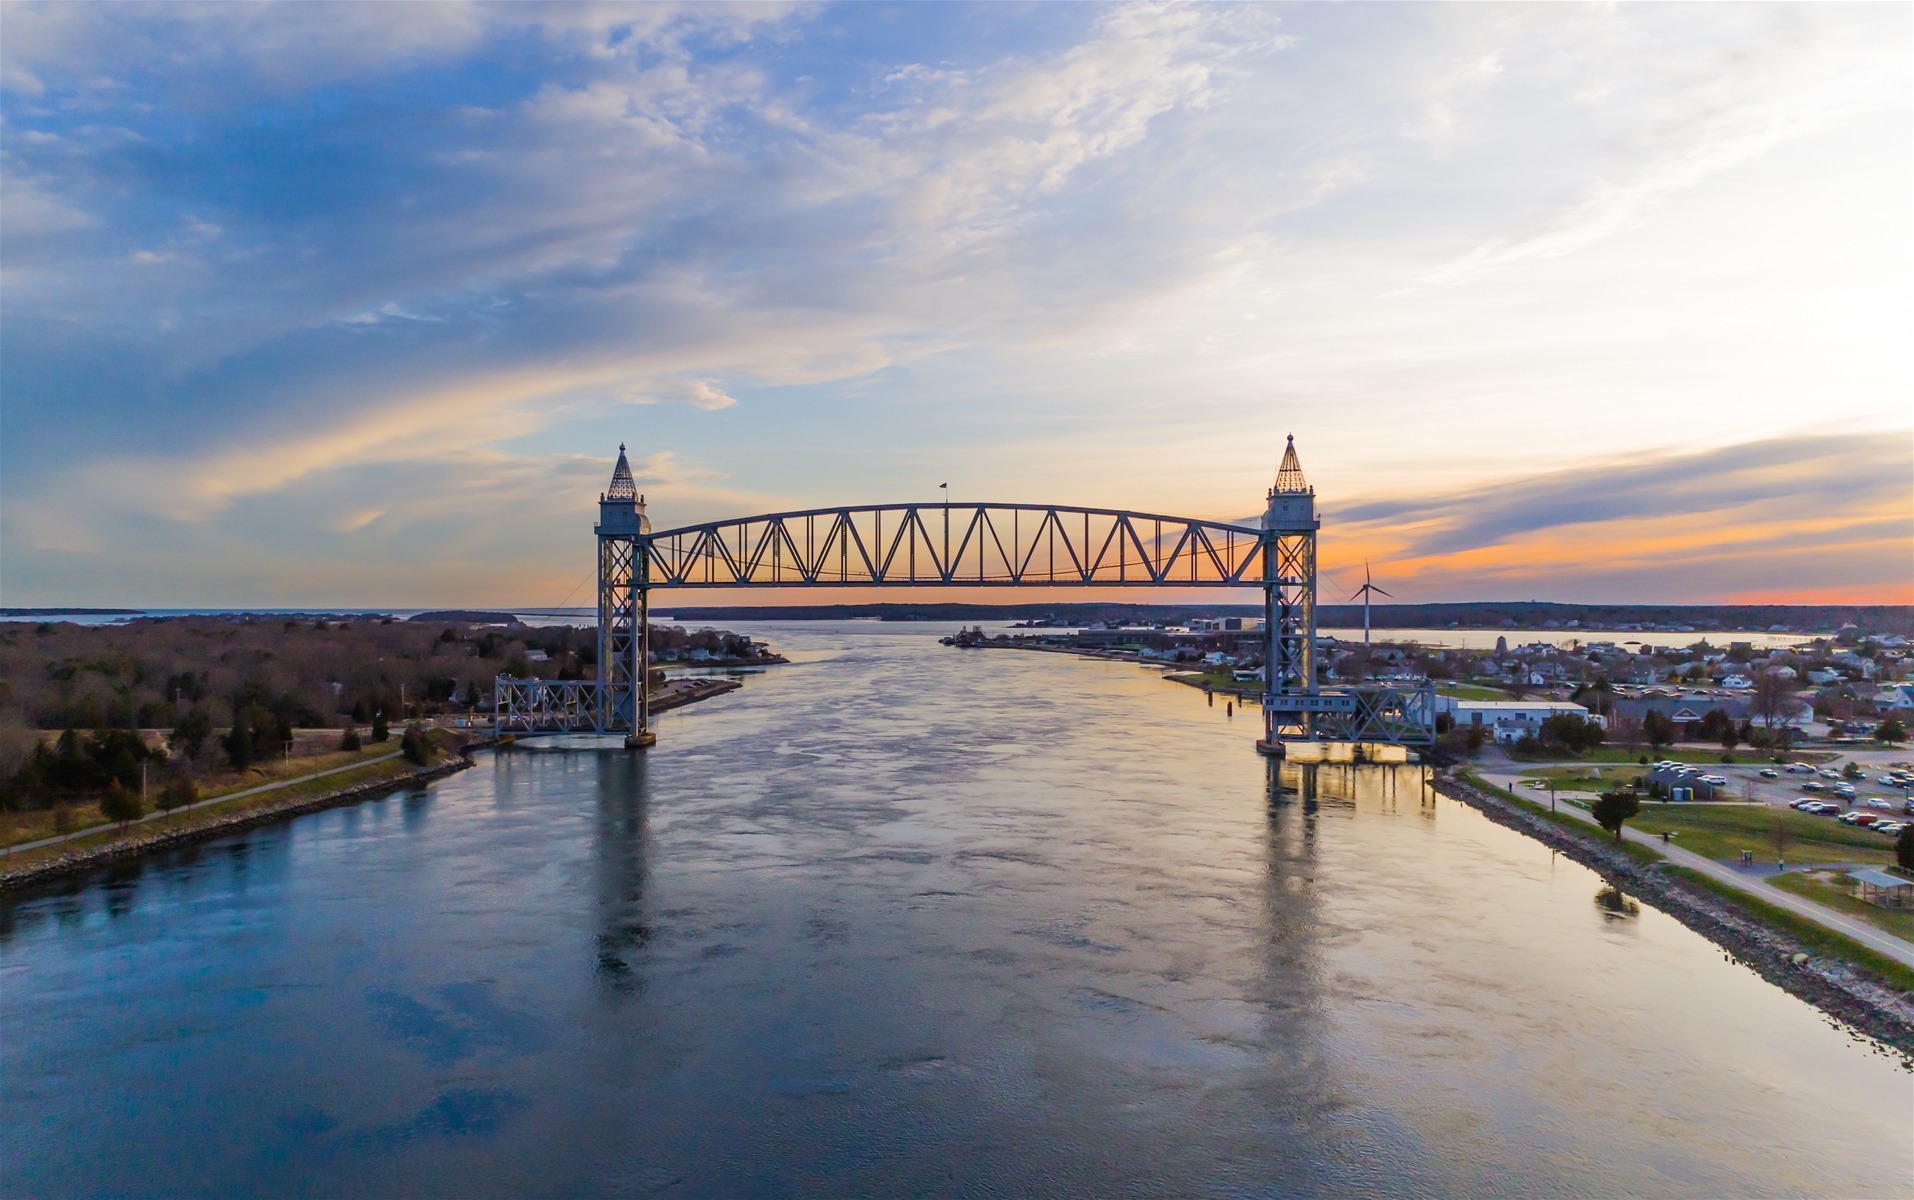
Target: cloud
{"type": "Point", "coordinates": [698, 393]}
{"type": "Point", "coordinates": [262, 252]}
{"type": "Point", "coordinates": [1769, 517]}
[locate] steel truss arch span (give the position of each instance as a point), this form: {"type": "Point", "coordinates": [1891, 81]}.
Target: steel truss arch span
{"type": "Point", "coordinates": [961, 545]}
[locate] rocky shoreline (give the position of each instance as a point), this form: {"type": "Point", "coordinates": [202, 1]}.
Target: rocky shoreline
{"type": "Point", "coordinates": [76, 861]}
{"type": "Point", "coordinates": [1829, 984]}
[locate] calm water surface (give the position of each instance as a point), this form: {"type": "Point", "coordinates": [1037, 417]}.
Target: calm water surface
{"type": "Point", "coordinates": [905, 919]}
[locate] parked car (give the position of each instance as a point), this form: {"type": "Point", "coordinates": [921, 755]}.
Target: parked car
{"type": "Point", "coordinates": [1812, 786]}
{"type": "Point", "coordinates": [1907, 806]}
{"type": "Point", "coordinates": [1715, 780]}
{"type": "Point", "coordinates": [1822, 808]}
{"type": "Point", "coordinates": [1798, 768]}
{"type": "Point", "coordinates": [1877, 802]}
{"type": "Point", "coordinates": [1828, 773]}
{"type": "Point", "coordinates": [1803, 802]}
{"type": "Point", "coordinates": [1890, 828]}
{"type": "Point", "coordinates": [1844, 790]}
{"type": "Point", "coordinates": [1887, 780]}
{"type": "Point", "coordinates": [1770, 773]}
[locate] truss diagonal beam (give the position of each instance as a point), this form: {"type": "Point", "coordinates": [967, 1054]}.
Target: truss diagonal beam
{"type": "Point", "coordinates": [969, 545]}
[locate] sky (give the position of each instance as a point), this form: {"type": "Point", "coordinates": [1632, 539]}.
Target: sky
{"type": "Point", "coordinates": [353, 304]}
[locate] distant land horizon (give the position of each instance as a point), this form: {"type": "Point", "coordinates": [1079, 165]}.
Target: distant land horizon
{"type": "Point", "coordinates": [1483, 614]}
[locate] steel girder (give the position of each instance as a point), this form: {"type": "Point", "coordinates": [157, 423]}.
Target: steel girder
{"type": "Point", "coordinates": [547, 706]}
{"type": "Point", "coordinates": [969, 545]}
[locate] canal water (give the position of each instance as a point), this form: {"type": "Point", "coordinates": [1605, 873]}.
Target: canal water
{"type": "Point", "coordinates": [906, 919]}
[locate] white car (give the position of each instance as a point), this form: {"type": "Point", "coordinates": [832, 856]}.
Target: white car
{"type": "Point", "coordinates": [1828, 773]}
{"type": "Point", "coordinates": [1715, 780]}
{"type": "Point", "coordinates": [1845, 791]}
{"type": "Point", "coordinates": [1798, 768]}
{"type": "Point", "coordinates": [1877, 802]}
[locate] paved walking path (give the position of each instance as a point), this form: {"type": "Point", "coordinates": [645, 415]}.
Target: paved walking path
{"type": "Point", "coordinates": [221, 799]}
{"type": "Point", "coordinates": [1899, 949]}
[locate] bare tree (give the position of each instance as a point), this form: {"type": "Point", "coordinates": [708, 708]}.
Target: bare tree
{"type": "Point", "coordinates": [1774, 700]}
{"type": "Point", "coordinates": [1780, 836]}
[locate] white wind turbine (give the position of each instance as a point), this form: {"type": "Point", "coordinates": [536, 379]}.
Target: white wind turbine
{"type": "Point", "coordinates": [1364, 591]}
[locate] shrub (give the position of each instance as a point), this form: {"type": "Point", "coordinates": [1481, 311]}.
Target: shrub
{"type": "Point", "coordinates": [1904, 849]}
{"type": "Point", "coordinates": [1891, 730]}
{"type": "Point", "coordinates": [381, 728]}
{"type": "Point", "coordinates": [349, 740]}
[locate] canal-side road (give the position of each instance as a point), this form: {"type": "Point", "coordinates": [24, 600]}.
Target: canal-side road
{"type": "Point", "coordinates": [1896, 948]}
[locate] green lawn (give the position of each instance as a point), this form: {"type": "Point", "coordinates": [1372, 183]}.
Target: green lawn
{"type": "Point", "coordinates": [1210, 679]}
{"type": "Point", "coordinates": [1590, 778]}
{"type": "Point", "coordinates": [1641, 854]}
{"type": "Point", "coordinates": [1816, 939]}
{"type": "Point", "coordinates": [1836, 890]}
{"type": "Point", "coordinates": [1723, 831]}
{"type": "Point", "coordinates": [1470, 691]}
{"type": "Point", "coordinates": [1621, 754]}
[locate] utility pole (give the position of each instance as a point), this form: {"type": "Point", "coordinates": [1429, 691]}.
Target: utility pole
{"type": "Point", "coordinates": [142, 783]}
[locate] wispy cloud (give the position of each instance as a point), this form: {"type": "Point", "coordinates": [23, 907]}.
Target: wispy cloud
{"type": "Point", "coordinates": [255, 253]}
{"type": "Point", "coordinates": [1771, 517]}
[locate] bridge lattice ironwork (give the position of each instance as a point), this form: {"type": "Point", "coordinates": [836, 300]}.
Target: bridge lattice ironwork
{"type": "Point", "coordinates": [975, 545]}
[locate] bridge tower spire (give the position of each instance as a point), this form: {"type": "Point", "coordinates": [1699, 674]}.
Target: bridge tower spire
{"type": "Point", "coordinates": [1290, 700]}
{"type": "Point", "coordinates": [624, 619]}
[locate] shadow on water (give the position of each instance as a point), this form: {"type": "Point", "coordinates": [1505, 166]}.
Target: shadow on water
{"type": "Point", "coordinates": [621, 839]}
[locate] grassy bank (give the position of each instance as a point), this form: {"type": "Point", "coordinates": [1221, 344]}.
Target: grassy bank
{"type": "Point", "coordinates": [1815, 939]}
{"type": "Point", "coordinates": [1835, 890]}
{"type": "Point", "coordinates": [1723, 831]}
{"type": "Point", "coordinates": [369, 766]}
{"type": "Point", "coordinates": [1641, 854]}
{"type": "Point", "coordinates": [19, 827]}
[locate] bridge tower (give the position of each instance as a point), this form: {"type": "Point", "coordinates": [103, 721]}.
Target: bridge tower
{"type": "Point", "coordinates": [1290, 700]}
{"type": "Point", "coordinates": [624, 625]}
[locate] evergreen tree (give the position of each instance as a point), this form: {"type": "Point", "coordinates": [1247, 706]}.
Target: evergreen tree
{"type": "Point", "coordinates": [239, 746]}
{"type": "Point", "coordinates": [121, 804]}
{"type": "Point", "coordinates": [179, 792]}
{"type": "Point", "coordinates": [1612, 809]}
{"type": "Point", "coordinates": [191, 733]}
{"type": "Point", "coordinates": [381, 728]}
{"type": "Point", "coordinates": [349, 740]}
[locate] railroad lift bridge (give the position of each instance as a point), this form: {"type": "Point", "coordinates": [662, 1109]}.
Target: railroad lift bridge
{"type": "Point", "coordinates": [970, 545]}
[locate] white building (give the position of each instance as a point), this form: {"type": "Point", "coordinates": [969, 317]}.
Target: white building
{"type": "Point", "coordinates": [1509, 719]}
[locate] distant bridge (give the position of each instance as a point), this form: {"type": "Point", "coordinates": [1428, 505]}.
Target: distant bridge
{"type": "Point", "coordinates": [967, 545]}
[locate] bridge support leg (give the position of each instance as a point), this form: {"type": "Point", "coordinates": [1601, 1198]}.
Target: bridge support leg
{"type": "Point", "coordinates": [641, 735]}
